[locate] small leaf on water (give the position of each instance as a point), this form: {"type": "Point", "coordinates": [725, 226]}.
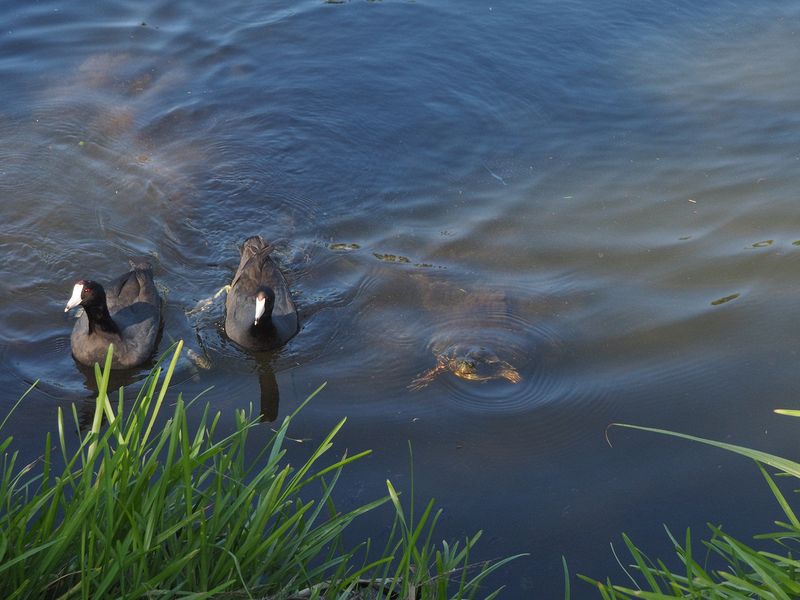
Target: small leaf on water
{"type": "Point", "coordinates": [725, 299]}
{"type": "Point", "coordinates": [391, 258]}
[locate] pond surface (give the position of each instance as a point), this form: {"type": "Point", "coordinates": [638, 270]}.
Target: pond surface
{"type": "Point", "coordinates": [603, 195]}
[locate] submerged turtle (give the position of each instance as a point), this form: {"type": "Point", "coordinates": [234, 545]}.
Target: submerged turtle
{"type": "Point", "coordinates": [468, 324]}
{"type": "Point", "coordinates": [474, 363]}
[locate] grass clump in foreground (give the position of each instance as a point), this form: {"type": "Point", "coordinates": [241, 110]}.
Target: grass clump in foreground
{"type": "Point", "coordinates": [725, 567]}
{"type": "Point", "coordinates": [148, 510]}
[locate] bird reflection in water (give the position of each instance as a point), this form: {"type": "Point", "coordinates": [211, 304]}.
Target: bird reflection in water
{"type": "Point", "coordinates": [269, 400]}
{"type": "Point", "coordinates": [270, 395]}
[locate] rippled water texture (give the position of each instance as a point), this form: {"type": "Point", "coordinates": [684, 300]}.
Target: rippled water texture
{"type": "Point", "coordinates": [603, 195]}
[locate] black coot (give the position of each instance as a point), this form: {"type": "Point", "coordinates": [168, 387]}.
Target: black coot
{"type": "Point", "coordinates": [259, 312]}
{"type": "Point", "coordinates": [128, 315]}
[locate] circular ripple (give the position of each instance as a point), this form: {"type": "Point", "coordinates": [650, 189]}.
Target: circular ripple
{"type": "Point", "coordinates": [532, 348]}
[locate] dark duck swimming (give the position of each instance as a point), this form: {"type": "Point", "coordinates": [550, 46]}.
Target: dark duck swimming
{"type": "Point", "coordinates": [259, 311]}
{"type": "Point", "coordinates": [127, 314]}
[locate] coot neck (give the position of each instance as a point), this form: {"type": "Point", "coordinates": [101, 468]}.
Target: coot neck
{"type": "Point", "coordinates": [265, 326]}
{"type": "Point", "coordinates": [100, 319]}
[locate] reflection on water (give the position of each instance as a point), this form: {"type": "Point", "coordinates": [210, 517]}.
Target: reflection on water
{"type": "Point", "coordinates": [119, 379]}
{"type": "Point", "coordinates": [216, 351]}
{"type": "Point", "coordinates": [602, 196]}
{"type": "Point", "coordinates": [270, 396]}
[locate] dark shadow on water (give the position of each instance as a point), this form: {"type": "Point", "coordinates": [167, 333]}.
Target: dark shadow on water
{"type": "Point", "coordinates": [269, 395]}
{"type": "Point", "coordinates": [122, 378]}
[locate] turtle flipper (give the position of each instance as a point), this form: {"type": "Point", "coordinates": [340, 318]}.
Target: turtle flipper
{"type": "Point", "coordinates": [424, 379]}
{"type": "Point", "coordinates": [510, 373]}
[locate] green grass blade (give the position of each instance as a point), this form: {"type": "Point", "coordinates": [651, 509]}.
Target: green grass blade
{"type": "Point", "coordinates": [785, 465]}
{"type": "Point", "coordinates": [787, 510]}
{"type": "Point", "coordinates": [148, 505]}
{"type": "Point", "coordinates": [788, 412]}
{"type": "Point", "coordinates": [17, 403]}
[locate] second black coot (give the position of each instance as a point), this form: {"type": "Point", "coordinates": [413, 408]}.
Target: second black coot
{"type": "Point", "coordinates": [259, 311]}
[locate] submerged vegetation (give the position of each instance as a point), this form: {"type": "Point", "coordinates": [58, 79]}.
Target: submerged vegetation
{"type": "Point", "coordinates": [723, 567]}
{"type": "Point", "coordinates": [149, 506]}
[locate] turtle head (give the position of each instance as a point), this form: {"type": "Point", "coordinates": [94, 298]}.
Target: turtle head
{"type": "Point", "coordinates": [477, 363]}
{"type": "Point", "coordinates": [465, 367]}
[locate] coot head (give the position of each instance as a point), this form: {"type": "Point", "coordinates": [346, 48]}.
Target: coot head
{"type": "Point", "coordinates": [86, 293]}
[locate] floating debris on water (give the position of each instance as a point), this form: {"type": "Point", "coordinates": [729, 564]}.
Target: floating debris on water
{"type": "Point", "coordinates": [205, 303]}
{"type": "Point", "coordinates": [391, 258]}
{"type": "Point", "coordinates": [725, 299]}
{"type": "Point", "coordinates": [342, 246]}
{"type": "Point", "coordinates": [200, 306]}
{"type": "Point", "coordinates": [495, 175]}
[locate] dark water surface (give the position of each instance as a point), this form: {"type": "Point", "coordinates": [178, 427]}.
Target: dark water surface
{"type": "Point", "coordinates": [575, 185]}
